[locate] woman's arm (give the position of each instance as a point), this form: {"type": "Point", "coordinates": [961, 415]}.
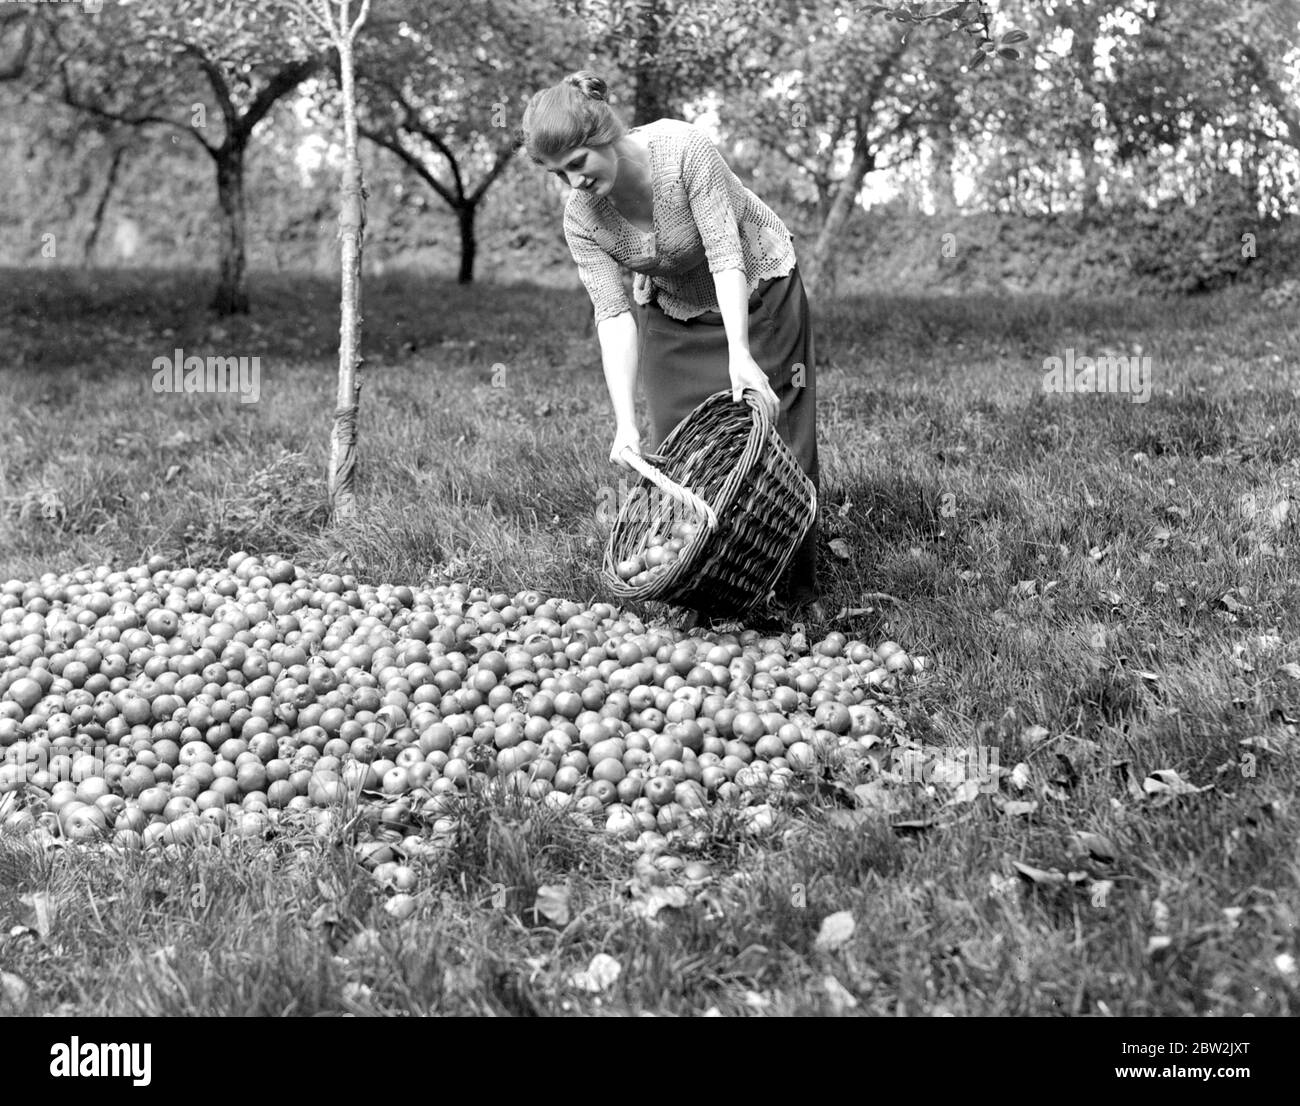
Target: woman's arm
{"type": "Point", "coordinates": [733, 304]}
{"type": "Point", "coordinates": [619, 357]}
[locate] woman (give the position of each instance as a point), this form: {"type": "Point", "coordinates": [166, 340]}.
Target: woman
{"type": "Point", "coordinates": [719, 301]}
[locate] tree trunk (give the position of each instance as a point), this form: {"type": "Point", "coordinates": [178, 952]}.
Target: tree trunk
{"type": "Point", "coordinates": [943, 146]}
{"type": "Point", "coordinates": [352, 224]}
{"type": "Point", "coordinates": [1084, 47]}
{"type": "Point", "coordinates": [232, 283]}
{"type": "Point", "coordinates": [465, 214]}
{"type": "Point", "coordinates": [97, 216]}
{"type": "Point", "coordinates": [649, 102]}
{"type": "Point", "coordinates": [819, 270]}
{"type": "Point", "coordinates": [821, 265]}
{"type": "Point", "coordinates": [942, 178]}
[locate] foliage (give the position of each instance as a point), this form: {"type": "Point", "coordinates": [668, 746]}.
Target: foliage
{"type": "Point", "coordinates": [1193, 247]}
{"type": "Point", "coordinates": [973, 17]}
{"type": "Point", "coordinates": [664, 54]}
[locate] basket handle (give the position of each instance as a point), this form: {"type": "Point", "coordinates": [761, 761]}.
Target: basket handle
{"type": "Point", "coordinates": [670, 487]}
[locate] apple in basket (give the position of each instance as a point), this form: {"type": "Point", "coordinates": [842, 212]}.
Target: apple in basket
{"type": "Point", "coordinates": [630, 568]}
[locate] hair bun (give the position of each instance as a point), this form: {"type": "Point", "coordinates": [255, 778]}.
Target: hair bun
{"type": "Point", "coordinates": [590, 85]}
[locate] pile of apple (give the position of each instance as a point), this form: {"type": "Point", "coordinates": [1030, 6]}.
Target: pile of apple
{"type": "Point", "coordinates": [159, 705]}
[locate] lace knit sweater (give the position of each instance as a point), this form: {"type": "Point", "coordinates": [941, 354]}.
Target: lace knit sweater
{"type": "Point", "coordinates": [705, 221]}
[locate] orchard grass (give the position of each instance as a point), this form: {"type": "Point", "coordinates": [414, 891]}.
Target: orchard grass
{"type": "Point", "coordinates": [1107, 589]}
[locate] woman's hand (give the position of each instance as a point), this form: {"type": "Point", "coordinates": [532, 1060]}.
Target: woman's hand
{"type": "Point", "coordinates": [745, 373]}
{"type": "Point", "coordinates": [625, 436]}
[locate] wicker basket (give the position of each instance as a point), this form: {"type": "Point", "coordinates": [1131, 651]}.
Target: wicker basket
{"type": "Point", "coordinates": [724, 468]}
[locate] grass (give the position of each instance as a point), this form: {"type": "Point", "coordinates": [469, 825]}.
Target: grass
{"type": "Point", "coordinates": [1107, 589]}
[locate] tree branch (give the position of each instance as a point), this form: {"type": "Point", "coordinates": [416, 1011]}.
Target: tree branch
{"type": "Point", "coordinates": [360, 20]}
{"type": "Point", "coordinates": [504, 154]}
{"type": "Point", "coordinates": [217, 80]}
{"type": "Point", "coordinates": [391, 143]}
{"type": "Point", "coordinates": [283, 81]}
{"type": "Point", "coordinates": [412, 125]}
{"type": "Point", "coordinates": [73, 100]}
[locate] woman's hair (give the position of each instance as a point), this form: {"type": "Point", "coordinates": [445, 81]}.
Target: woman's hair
{"type": "Point", "coordinates": [570, 114]}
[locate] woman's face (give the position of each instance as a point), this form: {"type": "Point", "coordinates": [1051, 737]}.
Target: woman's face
{"type": "Point", "coordinates": [588, 168]}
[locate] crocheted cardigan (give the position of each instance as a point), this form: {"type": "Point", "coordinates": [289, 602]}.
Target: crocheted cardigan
{"type": "Point", "coordinates": [705, 221]}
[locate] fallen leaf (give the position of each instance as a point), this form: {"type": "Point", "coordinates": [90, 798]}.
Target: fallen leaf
{"type": "Point", "coordinates": [1160, 915]}
{"type": "Point", "coordinates": [1017, 808]}
{"type": "Point", "coordinates": [552, 903]}
{"type": "Point", "coordinates": [364, 943]}
{"type": "Point", "coordinates": [1095, 844]}
{"type": "Point", "coordinates": [849, 819]}
{"type": "Point", "coordinates": [1034, 736]}
{"type": "Point", "coordinates": [876, 797]}
{"type": "Point", "coordinates": [835, 931]}
{"type": "Point", "coordinates": [1167, 782]}
{"type": "Point", "coordinates": [1040, 876]}
{"type": "Point", "coordinates": [1124, 769]}
{"type": "Point", "coordinates": [41, 912]}
{"type": "Point", "coordinates": [660, 898]}
{"type": "Point", "coordinates": [840, 548]}
{"type": "Point", "coordinates": [966, 792]}
{"type": "Point", "coordinates": [1156, 945]}
{"type": "Point", "coordinates": [1292, 670]}
{"type": "Point", "coordinates": [355, 993]}
{"type": "Point", "coordinates": [601, 974]}
{"type": "Point", "coordinates": [13, 993]}
{"type": "Point", "coordinates": [913, 825]}
{"type": "Point", "coordinates": [839, 996]}
{"type": "Point", "coordinates": [1264, 743]}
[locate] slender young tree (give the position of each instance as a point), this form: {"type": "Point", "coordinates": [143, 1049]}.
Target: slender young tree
{"type": "Point", "coordinates": [334, 24]}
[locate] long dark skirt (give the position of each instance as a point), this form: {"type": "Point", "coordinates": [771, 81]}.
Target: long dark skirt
{"type": "Point", "coordinates": [683, 363]}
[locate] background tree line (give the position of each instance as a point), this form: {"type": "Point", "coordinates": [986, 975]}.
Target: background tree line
{"type": "Point", "coordinates": [212, 125]}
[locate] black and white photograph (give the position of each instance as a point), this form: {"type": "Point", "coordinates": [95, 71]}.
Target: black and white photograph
{"type": "Point", "coordinates": [651, 508]}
